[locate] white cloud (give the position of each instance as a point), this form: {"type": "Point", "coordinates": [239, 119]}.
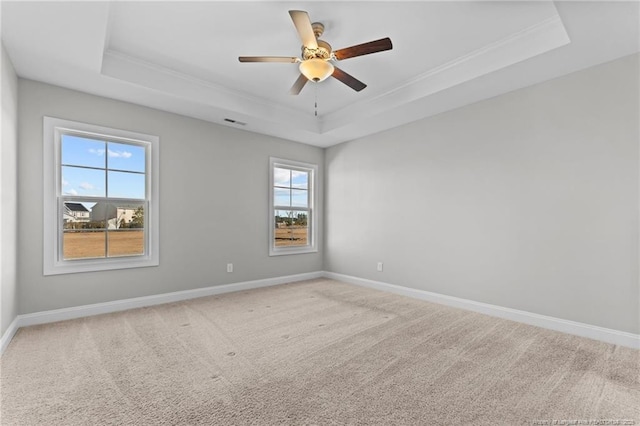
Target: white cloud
{"type": "Point", "coordinates": [65, 182]}
{"type": "Point", "coordinates": [120, 154]}
{"type": "Point", "coordinates": [86, 186]}
{"type": "Point", "coordinates": [281, 177]}
{"type": "Point", "coordinates": [72, 192]}
{"type": "Point", "coordinates": [97, 151]}
{"type": "Point", "coordinates": [299, 179]}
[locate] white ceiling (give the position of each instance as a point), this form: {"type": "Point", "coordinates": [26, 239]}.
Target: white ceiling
{"type": "Point", "coordinates": [183, 56]}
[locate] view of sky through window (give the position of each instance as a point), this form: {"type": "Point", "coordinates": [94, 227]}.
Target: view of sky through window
{"type": "Point", "coordinates": [95, 168]}
{"type": "Point", "coordinates": [291, 187]}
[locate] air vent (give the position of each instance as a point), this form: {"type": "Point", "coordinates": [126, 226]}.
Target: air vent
{"type": "Point", "coordinates": [232, 121]}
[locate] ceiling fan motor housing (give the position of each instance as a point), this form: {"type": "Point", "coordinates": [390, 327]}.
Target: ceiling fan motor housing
{"type": "Point", "coordinates": [322, 52]}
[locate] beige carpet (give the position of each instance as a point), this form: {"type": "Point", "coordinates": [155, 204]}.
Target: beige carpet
{"type": "Point", "coordinates": [315, 352]}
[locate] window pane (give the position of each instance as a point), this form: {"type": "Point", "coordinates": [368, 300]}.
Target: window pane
{"type": "Point", "coordinates": [281, 197]}
{"type": "Point", "coordinates": [81, 181]}
{"type": "Point", "coordinates": [299, 198]}
{"type": "Point", "coordinates": [126, 242]}
{"type": "Point", "coordinates": [281, 177]}
{"type": "Point", "coordinates": [299, 179]}
{"type": "Point", "coordinates": [282, 231]}
{"type": "Point", "coordinates": [126, 157]}
{"type": "Point", "coordinates": [85, 152]}
{"type": "Point", "coordinates": [126, 185]}
{"type": "Point", "coordinates": [83, 231]}
{"type": "Point", "coordinates": [291, 228]}
{"type": "Point", "coordinates": [300, 229]}
{"type": "Point", "coordinates": [83, 243]}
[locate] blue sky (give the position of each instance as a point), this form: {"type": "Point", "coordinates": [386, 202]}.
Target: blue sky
{"type": "Point", "coordinates": [120, 159]}
{"type": "Point", "coordinates": [290, 187]}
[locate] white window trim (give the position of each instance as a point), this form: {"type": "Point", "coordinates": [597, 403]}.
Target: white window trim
{"type": "Point", "coordinates": [312, 247]}
{"type": "Point", "coordinates": [52, 262]}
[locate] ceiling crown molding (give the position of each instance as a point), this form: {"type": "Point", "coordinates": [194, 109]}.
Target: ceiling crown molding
{"type": "Point", "coordinates": [185, 86]}
{"type": "Point", "coordinates": [446, 55]}
{"type": "Point", "coordinates": [535, 40]}
{"type": "Point", "coordinates": [529, 42]}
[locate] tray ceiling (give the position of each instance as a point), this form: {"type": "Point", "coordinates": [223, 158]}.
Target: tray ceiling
{"type": "Point", "coordinates": [183, 56]}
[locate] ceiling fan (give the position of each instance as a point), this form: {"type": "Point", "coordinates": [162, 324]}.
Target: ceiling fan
{"type": "Point", "coordinates": [315, 64]}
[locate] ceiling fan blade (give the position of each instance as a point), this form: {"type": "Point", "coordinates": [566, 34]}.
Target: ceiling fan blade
{"type": "Point", "coordinates": [286, 59]}
{"type": "Point", "coordinates": [348, 79]}
{"type": "Point", "coordinates": [298, 85]}
{"type": "Point", "coordinates": [303, 26]}
{"type": "Point", "coordinates": [364, 49]}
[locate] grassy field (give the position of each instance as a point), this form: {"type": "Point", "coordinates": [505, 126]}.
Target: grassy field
{"type": "Point", "coordinates": [87, 244]}
{"type": "Point", "coordinates": [79, 245]}
{"type": "Point", "coordinates": [293, 236]}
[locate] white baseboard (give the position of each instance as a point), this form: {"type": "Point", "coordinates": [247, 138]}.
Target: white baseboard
{"type": "Point", "coordinates": [607, 335]}
{"type": "Point", "coordinates": [571, 327]}
{"type": "Point", "coordinates": [139, 302]}
{"type": "Point", "coordinates": [8, 335]}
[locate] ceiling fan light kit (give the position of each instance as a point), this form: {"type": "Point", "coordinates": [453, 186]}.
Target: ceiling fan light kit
{"type": "Point", "coordinates": [316, 69]}
{"type": "Point", "coordinates": [315, 64]}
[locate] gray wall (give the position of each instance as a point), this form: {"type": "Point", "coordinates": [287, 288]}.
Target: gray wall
{"type": "Point", "coordinates": [8, 190]}
{"type": "Point", "coordinates": [528, 200]}
{"type": "Point", "coordinates": [213, 202]}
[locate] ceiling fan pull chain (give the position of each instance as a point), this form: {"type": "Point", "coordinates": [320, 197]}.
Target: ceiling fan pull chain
{"type": "Point", "coordinates": [316, 103]}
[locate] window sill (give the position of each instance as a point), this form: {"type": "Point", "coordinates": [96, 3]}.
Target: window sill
{"type": "Point", "coordinates": [92, 265]}
{"type": "Point", "coordinates": [287, 251]}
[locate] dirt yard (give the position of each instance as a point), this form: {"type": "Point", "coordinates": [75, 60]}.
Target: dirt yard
{"type": "Point", "coordinates": [293, 236]}
{"type": "Point", "coordinates": [79, 245]}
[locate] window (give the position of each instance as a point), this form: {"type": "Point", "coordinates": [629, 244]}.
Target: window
{"type": "Point", "coordinates": [293, 197]}
{"type": "Point", "coordinates": [101, 198]}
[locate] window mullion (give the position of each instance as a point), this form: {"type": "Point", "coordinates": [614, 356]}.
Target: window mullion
{"type": "Point", "coordinates": [106, 201]}
{"type": "Point", "coordinates": [290, 187]}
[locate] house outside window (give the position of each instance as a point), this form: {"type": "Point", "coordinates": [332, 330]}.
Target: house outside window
{"type": "Point", "coordinates": [76, 212]}
{"type": "Point", "coordinates": [101, 198]}
{"type": "Point", "coordinates": [293, 197]}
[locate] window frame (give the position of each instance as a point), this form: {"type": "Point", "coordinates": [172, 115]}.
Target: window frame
{"type": "Point", "coordinates": [312, 215]}
{"type": "Point", "coordinates": [53, 211]}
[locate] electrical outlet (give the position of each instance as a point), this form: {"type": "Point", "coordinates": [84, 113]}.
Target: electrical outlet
{"type": "Point", "coordinates": [229, 267]}
{"type": "Point", "coordinates": [379, 266]}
